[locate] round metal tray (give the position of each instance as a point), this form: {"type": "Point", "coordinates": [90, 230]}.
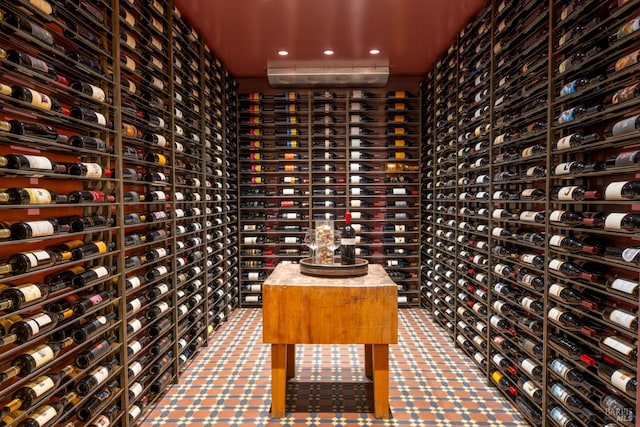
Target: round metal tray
{"type": "Point", "coordinates": [360, 268]}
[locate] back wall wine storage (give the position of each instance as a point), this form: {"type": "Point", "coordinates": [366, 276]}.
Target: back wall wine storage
{"type": "Point", "coordinates": [119, 206]}
{"type": "Point", "coordinates": [308, 156]}
{"type": "Point", "coordinates": [530, 175]}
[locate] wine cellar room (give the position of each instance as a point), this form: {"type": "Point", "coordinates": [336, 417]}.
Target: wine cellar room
{"type": "Point", "coordinates": [337, 212]}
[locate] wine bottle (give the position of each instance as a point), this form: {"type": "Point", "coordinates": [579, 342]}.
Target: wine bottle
{"type": "Point", "coordinates": [33, 326]}
{"type": "Point", "coordinates": [92, 327]}
{"type": "Point", "coordinates": [624, 413]}
{"type": "Point", "coordinates": [622, 190]}
{"type": "Point", "coordinates": [90, 408]}
{"type": "Point", "coordinates": [17, 297]}
{"type": "Point", "coordinates": [37, 99]}
{"type": "Point", "coordinates": [30, 196]}
{"type": "Point", "coordinates": [24, 262]}
{"type": "Point", "coordinates": [84, 196]}
{"type": "Point", "coordinates": [573, 140]}
{"type": "Point", "coordinates": [620, 347]}
{"type": "Point", "coordinates": [30, 229]}
{"type": "Point", "coordinates": [619, 378]}
{"type": "Point", "coordinates": [95, 273]}
{"type": "Point", "coordinates": [565, 217]}
{"type": "Point", "coordinates": [48, 414]}
{"type": "Point", "coordinates": [96, 377]}
{"type": "Point", "coordinates": [93, 248]}
{"type": "Point", "coordinates": [623, 127]}
{"type": "Point", "coordinates": [34, 358]}
{"type": "Point", "coordinates": [98, 349]}
{"type": "Point", "coordinates": [35, 390]}
{"type": "Point", "coordinates": [573, 193]}
{"type": "Point", "coordinates": [90, 143]}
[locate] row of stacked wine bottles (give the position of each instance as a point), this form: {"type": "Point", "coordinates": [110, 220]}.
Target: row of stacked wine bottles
{"type": "Point", "coordinates": [529, 168]}
{"type": "Point", "coordinates": [308, 157]}
{"type": "Point", "coordinates": [118, 199]}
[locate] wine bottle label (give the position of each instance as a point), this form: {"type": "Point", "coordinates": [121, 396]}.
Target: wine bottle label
{"type": "Point", "coordinates": [622, 318]}
{"type": "Point", "coordinates": [253, 275]}
{"type": "Point", "coordinates": [289, 239]}
{"type": "Point", "coordinates": [136, 304]}
{"type": "Point", "coordinates": [43, 415]}
{"type": "Point", "coordinates": [348, 242]}
{"type": "Point", "coordinates": [555, 264]}
{"type": "Point", "coordinates": [163, 306]}
{"type": "Point", "coordinates": [97, 93]}
{"type": "Point", "coordinates": [42, 355]}
{"type": "Point", "coordinates": [556, 216]}
{"type": "Point", "coordinates": [613, 191]}
{"type": "Point", "coordinates": [39, 162]}
{"type": "Point", "coordinates": [101, 271]}
{"type": "Point", "coordinates": [567, 193]}
{"type": "Point", "coordinates": [100, 374]}
{"type": "Point", "coordinates": [482, 244]}
{"type": "Point", "coordinates": [134, 412]}
{"type": "Point", "coordinates": [135, 347]}
{"type": "Point", "coordinates": [531, 171]}
{"type": "Point", "coordinates": [479, 358]}
{"type": "Point", "coordinates": [495, 320]}
{"type": "Point", "coordinates": [41, 387]}
{"type": "Point", "coordinates": [528, 258]}
{"type": "Point", "coordinates": [526, 302]}
{"type": "Point", "coordinates": [560, 367]}
{"type": "Point", "coordinates": [564, 143]}
{"type": "Point", "coordinates": [555, 289]}
{"type": "Point", "coordinates": [136, 368]}
{"type": "Point", "coordinates": [497, 232]}
{"type": "Point", "coordinates": [561, 392]}
{"type": "Point", "coordinates": [478, 340]}
{"type": "Point", "coordinates": [620, 379]}
{"type": "Point", "coordinates": [556, 240]}
{"type": "Point", "coordinates": [461, 340]}
{"type": "Point", "coordinates": [102, 247]}
{"type": "Point", "coordinates": [497, 358]}
{"type": "Point", "coordinates": [530, 388]}
{"type": "Point", "coordinates": [135, 325]}
{"type": "Point", "coordinates": [629, 254]}
{"type": "Point", "coordinates": [40, 100]}
{"type": "Point", "coordinates": [134, 282]}
{"type": "Point", "coordinates": [38, 195]}
{"type": "Point", "coordinates": [135, 389]}
{"type": "Point", "coordinates": [528, 365]}
{"type": "Point", "coordinates": [560, 416]}
{"type": "Point", "coordinates": [554, 314]}
{"type": "Point", "coordinates": [41, 228]}
{"type": "Point", "coordinates": [497, 305]}
{"type": "Point", "coordinates": [627, 125]}
{"type": "Point", "coordinates": [618, 345]}
{"type": "Point", "coordinates": [627, 159]}
{"type": "Point", "coordinates": [564, 168]}
{"type": "Point", "coordinates": [528, 279]}
{"type": "Point", "coordinates": [613, 221]}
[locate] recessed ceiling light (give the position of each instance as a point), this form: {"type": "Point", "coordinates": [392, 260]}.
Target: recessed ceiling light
{"type": "Point", "coordinates": [283, 53]}
{"type": "Point", "coordinates": [374, 51]}
{"type": "Point", "coordinates": [328, 52]}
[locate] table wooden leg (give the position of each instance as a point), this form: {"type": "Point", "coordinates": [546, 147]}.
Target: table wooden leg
{"type": "Point", "coordinates": [278, 379]}
{"type": "Point", "coordinates": [291, 361]}
{"type": "Point", "coordinates": [381, 380]}
{"type": "Point", "coordinates": [368, 365]}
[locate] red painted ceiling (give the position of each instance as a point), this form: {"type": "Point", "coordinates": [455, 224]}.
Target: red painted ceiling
{"type": "Point", "coordinates": [247, 34]}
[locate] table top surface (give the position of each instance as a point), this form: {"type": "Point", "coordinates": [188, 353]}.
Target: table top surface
{"type": "Point", "coordinates": [289, 275]}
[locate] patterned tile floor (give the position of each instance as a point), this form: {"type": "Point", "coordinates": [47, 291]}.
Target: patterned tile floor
{"type": "Point", "coordinates": [431, 383]}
